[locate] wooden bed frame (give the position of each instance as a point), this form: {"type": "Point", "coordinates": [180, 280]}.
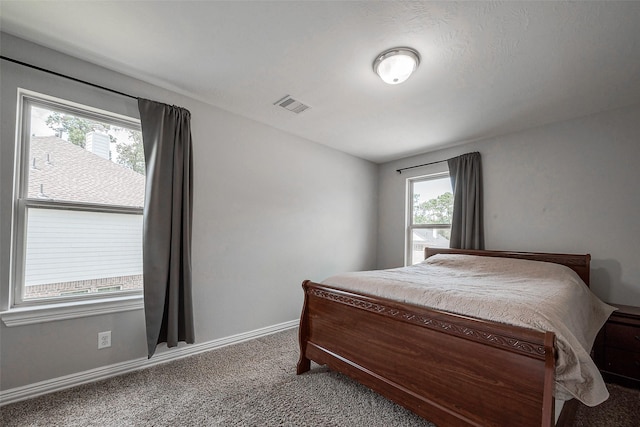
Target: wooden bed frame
{"type": "Point", "coordinates": [450, 369]}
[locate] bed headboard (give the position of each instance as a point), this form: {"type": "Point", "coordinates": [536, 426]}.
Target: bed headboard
{"type": "Point", "coordinates": [578, 263]}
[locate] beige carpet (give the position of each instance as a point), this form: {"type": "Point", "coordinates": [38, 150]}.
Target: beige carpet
{"type": "Point", "coordinates": [248, 384]}
{"type": "Point", "coordinates": [622, 409]}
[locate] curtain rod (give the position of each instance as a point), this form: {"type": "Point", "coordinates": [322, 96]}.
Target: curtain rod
{"type": "Point", "coordinates": [419, 166]}
{"type": "Point", "coordinates": [24, 64]}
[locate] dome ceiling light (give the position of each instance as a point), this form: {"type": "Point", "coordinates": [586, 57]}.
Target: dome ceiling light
{"type": "Point", "coordinates": [396, 65]}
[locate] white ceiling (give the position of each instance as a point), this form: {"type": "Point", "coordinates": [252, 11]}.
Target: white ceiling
{"type": "Point", "coordinates": [488, 68]}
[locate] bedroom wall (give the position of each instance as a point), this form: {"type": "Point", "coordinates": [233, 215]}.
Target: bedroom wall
{"type": "Point", "coordinates": [568, 187]}
{"type": "Point", "coordinates": [270, 210]}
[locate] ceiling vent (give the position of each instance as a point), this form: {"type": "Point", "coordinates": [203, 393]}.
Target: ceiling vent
{"type": "Point", "coordinates": [288, 103]}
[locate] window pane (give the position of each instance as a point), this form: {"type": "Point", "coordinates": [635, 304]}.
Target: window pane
{"type": "Point", "coordinates": [427, 237]}
{"type": "Point", "coordinates": [430, 216]}
{"type": "Point", "coordinates": [71, 252]}
{"type": "Point", "coordinates": [432, 201]}
{"type": "Point", "coordinates": [76, 159]}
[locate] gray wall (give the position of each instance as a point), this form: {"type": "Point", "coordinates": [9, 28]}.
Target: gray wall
{"type": "Point", "coordinates": [568, 187]}
{"type": "Point", "coordinates": [270, 209]}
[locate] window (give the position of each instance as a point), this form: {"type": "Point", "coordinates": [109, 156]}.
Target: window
{"type": "Point", "coordinates": [430, 209]}
{"type": "Point", "coordinates": [79, 194]}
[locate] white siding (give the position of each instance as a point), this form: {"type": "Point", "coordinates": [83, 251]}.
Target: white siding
{"type": "Point", "coordinates": [66, 245]}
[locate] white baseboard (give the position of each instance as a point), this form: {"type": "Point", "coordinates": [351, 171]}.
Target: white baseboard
{"type": "Point", "coordinates": [56, 384]}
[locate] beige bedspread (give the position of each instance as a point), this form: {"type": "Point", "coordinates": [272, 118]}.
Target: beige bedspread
{"type": "Point", "coordinates": [538, 295]}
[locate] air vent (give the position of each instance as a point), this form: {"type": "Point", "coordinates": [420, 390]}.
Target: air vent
{"type": "Point", "coordinates": [288, 103]}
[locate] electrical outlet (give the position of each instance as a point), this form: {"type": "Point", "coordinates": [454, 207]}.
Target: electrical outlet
{"type": "Point", "coordinates": [104, 339]}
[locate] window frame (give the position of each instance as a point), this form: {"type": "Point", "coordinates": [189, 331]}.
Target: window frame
{"type": "Point", "coordinates": [22, 203]}
{"type": "Point", "coordinates": [410, 225]}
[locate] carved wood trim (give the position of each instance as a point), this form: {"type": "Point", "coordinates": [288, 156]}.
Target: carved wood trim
{"type": "Point", "coordinates": [530, 348]}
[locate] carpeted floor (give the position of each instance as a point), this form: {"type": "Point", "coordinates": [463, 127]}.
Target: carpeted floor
{"type": "Point", "coordinates": [622, 409]}
{"type": "Point", "coordinates": [248, 384]}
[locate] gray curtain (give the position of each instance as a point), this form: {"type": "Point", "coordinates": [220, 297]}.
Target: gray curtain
{"type": "Point", "coordinates": [166, 135]}
{"type": "Point", "coordinates": [467, 227]}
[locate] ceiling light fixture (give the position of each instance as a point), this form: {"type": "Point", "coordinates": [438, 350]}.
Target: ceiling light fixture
{"type": "Point", "coordinates": [396, 65]}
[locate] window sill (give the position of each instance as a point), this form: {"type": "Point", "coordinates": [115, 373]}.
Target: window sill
{"type": "Point", "coordinates": [70, 310]}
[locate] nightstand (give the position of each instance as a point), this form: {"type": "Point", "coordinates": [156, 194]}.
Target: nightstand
{"type": "Point", "coordinates": [617, 347]}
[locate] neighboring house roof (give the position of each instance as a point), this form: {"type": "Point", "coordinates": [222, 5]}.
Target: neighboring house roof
{"type": "Point", "coordinates": [427, 237]}
{"type": "Point", "coordinates": [67, 172]}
